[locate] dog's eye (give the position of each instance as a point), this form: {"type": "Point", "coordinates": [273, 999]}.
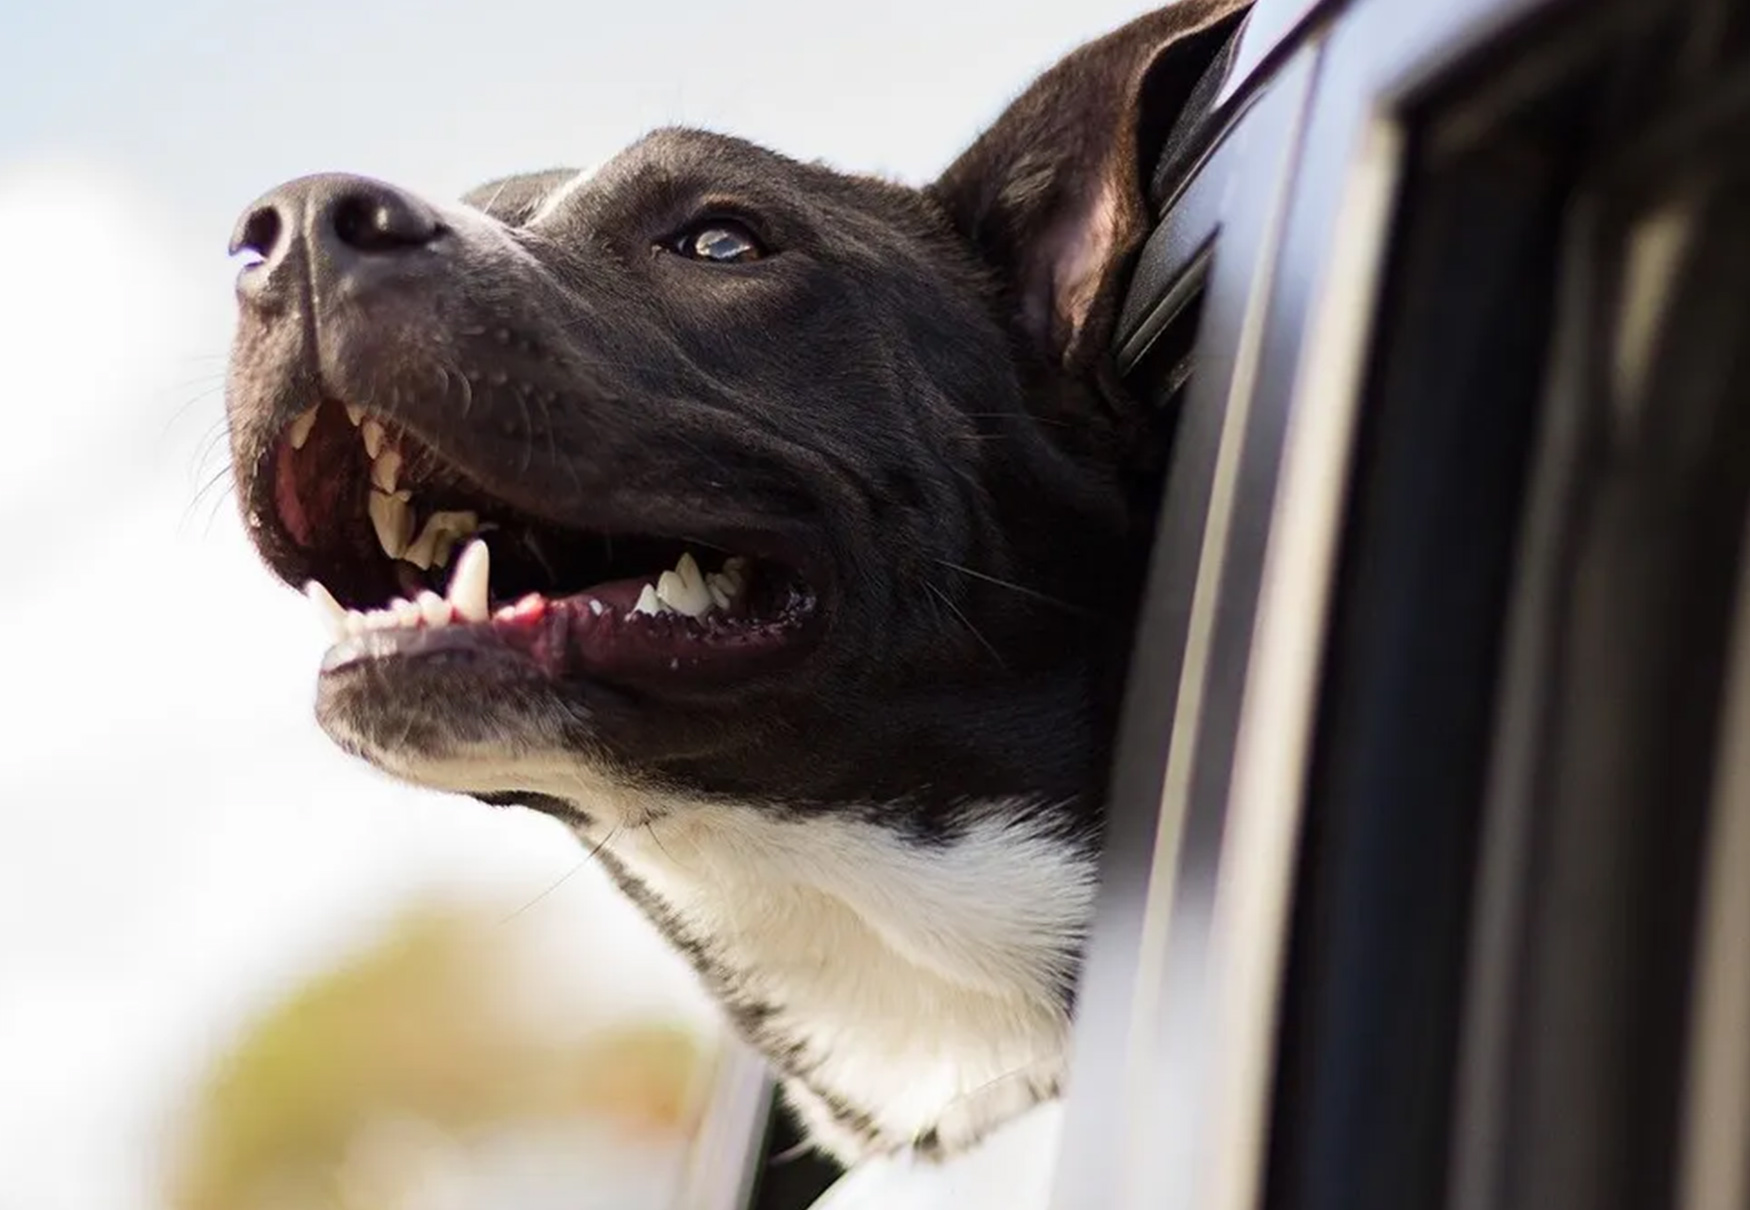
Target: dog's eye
{"type": "Point", "coordinates": [720, 241]}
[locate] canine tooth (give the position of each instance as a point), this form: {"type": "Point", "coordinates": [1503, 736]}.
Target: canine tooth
{"type": "Point", "coordinates": [355, 413]}
{"type": "Point", "coordinates": [393, 521]}
{"type": "Point", "coordinates": [386, 470]}
{"type": "Point", "coordinates": [468, 586]}
{"type": "Point", "coordinates": [694, 601]}
{"type": "Point", "coordinates": [299, 432]}
{"type": "Point", "coordinates": [434, 609]}
{"type": "Point", "coordinates": [649, 602]}
{"type": "Point", "coordinates": [372, 431]}
{"type": "Point", "coordinates": [331, 612]}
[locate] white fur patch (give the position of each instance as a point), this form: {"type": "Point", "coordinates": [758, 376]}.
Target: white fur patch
{"type": "Point", "coordinates": [921, 979]}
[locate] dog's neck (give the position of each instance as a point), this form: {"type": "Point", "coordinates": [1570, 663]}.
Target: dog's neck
{"type": "Point", "coordinates": [911, 993]}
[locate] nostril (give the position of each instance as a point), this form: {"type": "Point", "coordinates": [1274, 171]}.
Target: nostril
{"type": "Point", "coordinates": [259, 232]}
{"type": "Point", "coordinates": [369, 222]}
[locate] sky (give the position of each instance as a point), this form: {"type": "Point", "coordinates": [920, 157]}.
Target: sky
{"type": "Point", "coordinates": [178, 843]}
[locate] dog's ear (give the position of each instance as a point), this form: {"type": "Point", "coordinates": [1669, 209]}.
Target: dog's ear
{"type": "Point", "coordinates": [514, 199]}
{"type": "Point", "coordinates": [1052, 195]}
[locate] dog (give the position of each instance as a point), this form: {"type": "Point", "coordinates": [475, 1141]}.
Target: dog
{"type": "Point", "coordinates": [779, 530]}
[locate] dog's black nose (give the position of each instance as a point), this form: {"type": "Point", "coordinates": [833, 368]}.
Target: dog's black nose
{"type": "Point", "coordinates": [345, 224]}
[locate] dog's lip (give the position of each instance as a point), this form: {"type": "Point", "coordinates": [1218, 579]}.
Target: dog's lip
{"type": "Point", "coordinates": [287, 555]}
{"type": "Point", "coordinates": [593, 633]}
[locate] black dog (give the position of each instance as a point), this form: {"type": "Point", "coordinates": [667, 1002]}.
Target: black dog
{"type": "Point", "coordinates": [792, 524]}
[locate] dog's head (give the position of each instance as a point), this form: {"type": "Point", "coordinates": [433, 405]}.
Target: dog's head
{"type": "Point", "coordinates": [744, 477]}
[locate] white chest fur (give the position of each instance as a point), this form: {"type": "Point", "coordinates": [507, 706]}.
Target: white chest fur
{"type": "Point", "coordinates": [919, 984]}
{"type": "Point", "coordinates": [911, 990]}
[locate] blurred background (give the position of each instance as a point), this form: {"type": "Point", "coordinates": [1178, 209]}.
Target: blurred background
{"type": "Point", "coordinates": [237, 969]}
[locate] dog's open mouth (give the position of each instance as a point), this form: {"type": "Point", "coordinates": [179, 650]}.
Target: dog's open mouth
{"type": "Point", "coordinates": [411, 557]}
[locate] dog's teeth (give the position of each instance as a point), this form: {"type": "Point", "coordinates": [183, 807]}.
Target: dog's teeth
{"type": "Point", "coordinates": [355, 414]}
{"type": "Point", "coordinates": [386, 470]}
{"type": "Point", "coordinates": [355, 622]}
{"type": "Point", "coordinates": [596, 608]}
{"type": "Point", "coordinates": [439, 537]}
{"type": "Point", "coordinates": [690, 599]}
{"type": "Point", "coordinates": [434, 609]}
{"type": "Point", "coordinates": [684, 588]}
{"type": "Point", "coordinates": [649, 602]}
{"type": "Point", "coordinates": [721, 593]}
{"type": "Point", "coordinates": [733, 577]}
{"type": "Point", "coordinates": [393, 521]}
{"type": "Point", "coordinates": [331, 612]}
{"type": "Point", "coordinates": [405, 612]}
{"type": "Point", "coordinates": [419, 551]}
{"type": "Point", "coordinates": [299, 432]}
{"type": "Point", "coordinates": [688, 570]}
{"type": "Point", "coordinates": [468, 587]}
{"type": "Point", "coordinates": [452, 528]}
{"type": "Point", "coordinates": [529, 608]}
{"type": "Point", "coordinates": [372, 432]}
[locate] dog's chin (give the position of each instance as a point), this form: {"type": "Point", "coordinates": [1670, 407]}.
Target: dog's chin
{"type": "Point", "coordinates": [467, 720]}
{"type": "Point", "coordinates": [499, 708]}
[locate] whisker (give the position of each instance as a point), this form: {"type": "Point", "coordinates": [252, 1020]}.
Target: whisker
{"type": "Point", "coordinates": [201, 396]}
{"type": "Point", "coordinates": [983, 1088]}
{"type": "Point", "coordinates": [496, 194]}
{"type": "Point", "coordinates": [1022, 589]}
{"type": "Point", "coordinates": [1062, 424]}
{"type": "Point", "coordinates": [650, 827]}
{"type": "Point", "coordinates": [220, 479]}
{"type": "Point", "coordinates": [967, 622]}
{"type": "Point", "coordinates": [568, 875]}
